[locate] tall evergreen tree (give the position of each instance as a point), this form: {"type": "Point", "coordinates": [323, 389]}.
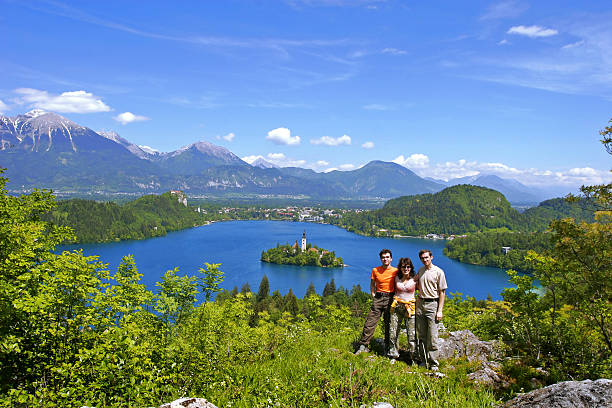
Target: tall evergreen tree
{"type": "Point", "coordinates": [277, 300]}
{"type": "Point", "coordinates": [264, 289]}
{"type": "Point", "coordinates": [310, 290]}
{"type": "Point", "coordinates": [291, 303]}
{"type": "Point", "coordinates": [330, 288]}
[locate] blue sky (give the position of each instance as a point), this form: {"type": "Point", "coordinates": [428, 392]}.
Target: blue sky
{"type": "Point", "coordinates": [448, 89]}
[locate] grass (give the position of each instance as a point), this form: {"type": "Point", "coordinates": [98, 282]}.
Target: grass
{"type": "Point", "coordinates": [321, 371]}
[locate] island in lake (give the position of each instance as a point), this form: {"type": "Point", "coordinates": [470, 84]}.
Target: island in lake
{"type": "Point", "coordinates": [304, 254]}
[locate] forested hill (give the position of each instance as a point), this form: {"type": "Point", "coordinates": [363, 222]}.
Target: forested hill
{"type": "Point", "coordinates": [486, 248]}
{"type": "Point", "coordinates": [460, 209]}
{"type": "Point", "coordinates": [454, 210]}
{"type": "Point", "coordinates": [148, 216]}
{"type": "Point", "coordinates": [538, 218]}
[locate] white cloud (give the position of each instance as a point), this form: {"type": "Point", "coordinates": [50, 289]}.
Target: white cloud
{"type": "Point", "coordinates": [414, 161]}
{"type": "Point", "coordinates": [285, 161]}
{"type": "Point", "coordinates": [278, 159]}
{"type": "Point", "coordinates": [573, 45]}
{"type": "Point", "coordinates": [376, 106]}
{"type": "Point", "coordinates": [358, 54]}
{"type": "Point", "coordinates": [539, 178]}
{"type": "Point", "coordinates": [394, 51]}
{"type": "Point", "coordinates": [583, 172]}
{"type": "Point", "coordinates": [330, 141]}
{"type": "Point", "coordinates": [282, 136]}
{"type": "Point", "coordinates": [582, 67]}
{"type": "Point", "coordinates": [499, 168]}
{"type": "Point", "coordinates": [321, 163]}
{"type": "Point", "coordinates": [504, 9]}
{"type": "Point", "coordinates": [3, 106]}
{"type": "Point", "coordinates": [66, 102]}
{"type": "Point", "coordinates": [293, 163]}
{"type": "Point", "coordinates": [260, 104]}
{"type": "Point", "coordinates": [276, 156]}
{"type": "Point", "coordinates": [503, 42]}
{"type": "Point", "coordinates": [128, 117]}
{"type": "Point", "coordinates": [346, 166]}
{"type": "Point", "coordinates": [532, 31]}
{"type": "Point", "coordinates": [229, 137]}
{"type": "Point", "coordinates": [368, 145]}
{"type": "Point", "coordinates": [337, 3]}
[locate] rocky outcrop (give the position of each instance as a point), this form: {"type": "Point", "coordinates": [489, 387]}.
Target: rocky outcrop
{"type": "Point", "coordinates": [489, 375]}
{"type": "Point", "coordinates": [567, 394]}
{"type": "Point", "coordinates": [189, 403]}
{"type": "Point", "coordinates": [465, 344]}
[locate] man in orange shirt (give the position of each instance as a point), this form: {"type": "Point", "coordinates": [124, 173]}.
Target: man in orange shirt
{"type": "Point", "coordinates": [382, 287]}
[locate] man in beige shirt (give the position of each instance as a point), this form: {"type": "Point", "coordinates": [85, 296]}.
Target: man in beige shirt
{"type": "Point", "coordinates": [429, 305]}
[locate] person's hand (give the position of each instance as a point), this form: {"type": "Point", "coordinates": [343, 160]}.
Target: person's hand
{"type": "Point", "coordinates": [439, 316]}
{"type": "Point", "coordinates": [373, 294]}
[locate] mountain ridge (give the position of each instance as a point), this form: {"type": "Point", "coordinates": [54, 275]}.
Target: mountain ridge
{"type": "Point", "coordinates": [44, 149]}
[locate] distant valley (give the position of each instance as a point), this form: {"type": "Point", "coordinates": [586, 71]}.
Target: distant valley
{"type": "Point", "coordinates": [45, 150]}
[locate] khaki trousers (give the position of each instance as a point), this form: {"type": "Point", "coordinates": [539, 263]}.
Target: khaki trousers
{"type": "Point", "coordinates": [427, 332]}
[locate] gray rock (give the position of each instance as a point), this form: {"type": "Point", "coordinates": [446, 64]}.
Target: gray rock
{"type": "Point", "coordinates": [488, 375]}
{"type": "Point", "coordinates": [567, 394]}
{"type": "Point", "coordinates": [465, 344]}
{"type": "Point", "coordinates": [188, 403]}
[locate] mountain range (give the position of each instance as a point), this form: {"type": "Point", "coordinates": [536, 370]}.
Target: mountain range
{"type": "Point", "coordinates": [45, 150]}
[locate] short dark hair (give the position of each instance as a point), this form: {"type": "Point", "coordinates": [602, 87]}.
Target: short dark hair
{"type": "Point", "coordinates": [405, 262]}
{"type": "Point", "coordinates": [385, 251]}
{"type": "Point", "coordinates": [422, 251]}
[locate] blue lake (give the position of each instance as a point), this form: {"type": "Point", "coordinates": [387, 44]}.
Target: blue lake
{"type": "Point", "coordinates": [237, 246]}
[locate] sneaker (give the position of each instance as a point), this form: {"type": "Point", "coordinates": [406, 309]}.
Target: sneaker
{"type": "Point", "coordinates": [362, 349]}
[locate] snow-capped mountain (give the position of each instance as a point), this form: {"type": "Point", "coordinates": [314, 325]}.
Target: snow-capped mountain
{"type": "Point", "coordinates": [45, 150]}
{"type": "Point", "coordinates": [263, 164]}
{"type": "Point", "coordinates": [41, 131]}
{"type": "Point", "coordinates": [149, 150]}
{"type": "Point", "coordinates": [194, 158]}
{"type": "Point", "coordinates": [134, 149]}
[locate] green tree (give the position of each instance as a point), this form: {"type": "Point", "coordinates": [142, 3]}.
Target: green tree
{"type": "Point", "coordinates": [210, 280]}
{"type": "Point", "coordinates": [330, 288]}
{"type": "Point", "coordinates": [310, 290]}
{"type": "Point", "coordinates": [128, 294]}
{"type": "Point", "coordinates": [291, 303]}
{"type": "Point", "coordinates": [264, 289]}
{"type": "Point", "coordinates": [571, 323]}
{"type": "Point", "coordinates": [176, 296]}
{"type": "Point", "coordinates": [52, 306]}
{"type": "Point", "coordinates": [606, 135]}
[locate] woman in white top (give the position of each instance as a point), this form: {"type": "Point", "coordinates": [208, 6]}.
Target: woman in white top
{"type": "Point", "coordinates": [402, 309]}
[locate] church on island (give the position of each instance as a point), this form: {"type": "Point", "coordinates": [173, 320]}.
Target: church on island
{"type": "Point", "coordinates": [304, 254]}
{"type": "Point", "coordinates": [303, 247]}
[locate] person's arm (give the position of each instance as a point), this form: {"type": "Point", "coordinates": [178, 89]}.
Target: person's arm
{"type": "Point", "coordinates": [441, 296]}
{"type": "Point", "coordinates": [372, 287]}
